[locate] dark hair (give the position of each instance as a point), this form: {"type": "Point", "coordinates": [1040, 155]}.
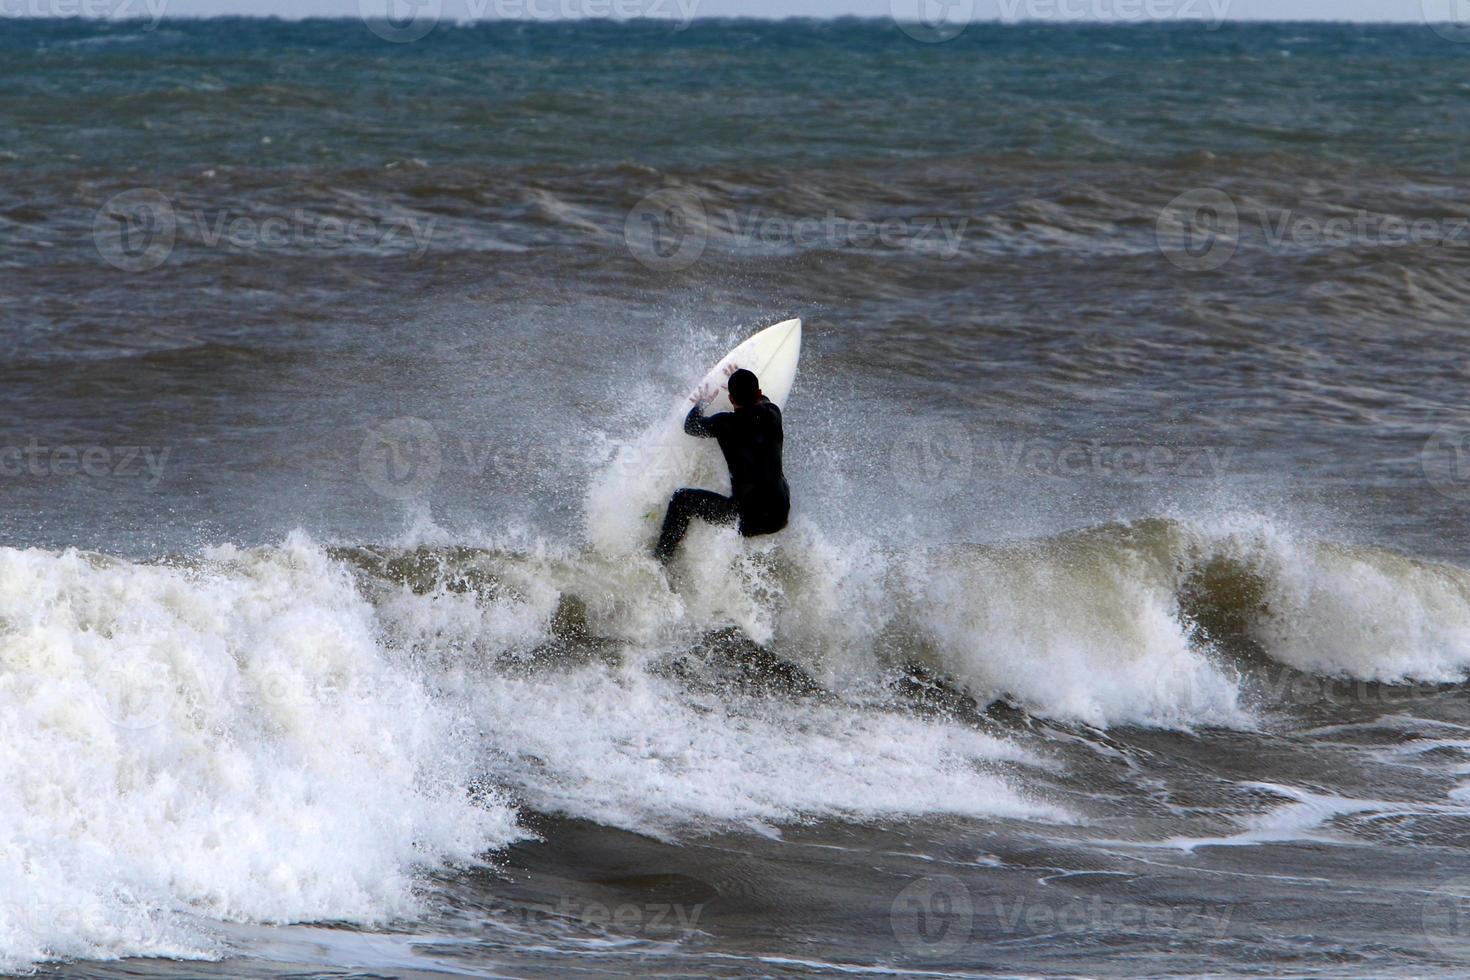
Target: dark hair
{"type": "Point", "coordinates": [744, 388]}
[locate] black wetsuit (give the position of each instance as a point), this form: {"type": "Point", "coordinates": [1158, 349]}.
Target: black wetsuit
{"type": "Point", "coordinates": [750, 437]}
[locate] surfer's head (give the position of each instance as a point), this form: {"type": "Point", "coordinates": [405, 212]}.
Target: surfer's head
{"type": "Point", "coordinates": [745, 389]}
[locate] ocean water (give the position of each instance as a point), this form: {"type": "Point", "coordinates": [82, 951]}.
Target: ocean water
{"type": "Point", "coordinates": [1123, 620]}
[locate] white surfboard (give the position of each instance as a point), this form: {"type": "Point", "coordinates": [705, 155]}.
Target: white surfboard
{"type": "Point", "coordinates": [772, 354]}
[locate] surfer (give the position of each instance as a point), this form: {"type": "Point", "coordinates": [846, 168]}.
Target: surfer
{"type": "Point", "coordinates": [750, 437]}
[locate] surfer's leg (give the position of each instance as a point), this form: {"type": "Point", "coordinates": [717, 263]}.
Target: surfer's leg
{"type": "Point", "coordinates": [684, 506]}
{"type": "Point", "coordinates": [764, 520]}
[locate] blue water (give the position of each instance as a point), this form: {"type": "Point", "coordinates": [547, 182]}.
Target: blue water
{"type": "Point", "coordinates": [1123, 621]}
{"type": "Point", "coordinates": [734, 93]}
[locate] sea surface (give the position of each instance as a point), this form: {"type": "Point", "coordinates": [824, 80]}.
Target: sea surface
{"type": "Point", "coordinates": [1123, 621]}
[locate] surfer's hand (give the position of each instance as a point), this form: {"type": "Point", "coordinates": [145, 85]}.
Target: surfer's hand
{"type": "Point", "coordinates": [731, 369]}
{"type": "Point", "coordinates": [702, 394]}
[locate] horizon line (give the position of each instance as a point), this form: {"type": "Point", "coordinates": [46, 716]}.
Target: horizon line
{"type": "Point", "coordinates": [997, 21]}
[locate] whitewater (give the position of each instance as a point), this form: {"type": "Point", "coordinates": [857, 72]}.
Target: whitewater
{"type": "Point", "coordinates": [297, 732]}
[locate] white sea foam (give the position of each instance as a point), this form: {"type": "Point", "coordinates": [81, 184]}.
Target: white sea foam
{"type": "Point", "coordinates": [281, 735]}
{"type": "Point", "coordinates": [228, 740]}
{"type": "Point", "coordinates": [1095, 627]}
{"type": "Point", "coordinates": [623, 747]}
{"type": "Point", "coordinates": [1364, 613]}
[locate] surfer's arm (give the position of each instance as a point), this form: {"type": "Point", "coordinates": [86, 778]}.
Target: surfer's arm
{"type": "Point", "coordinates": [696, 423]}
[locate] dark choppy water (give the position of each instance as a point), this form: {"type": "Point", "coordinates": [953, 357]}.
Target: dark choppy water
{"type": "Point", "coordinates": [1120, 630]}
